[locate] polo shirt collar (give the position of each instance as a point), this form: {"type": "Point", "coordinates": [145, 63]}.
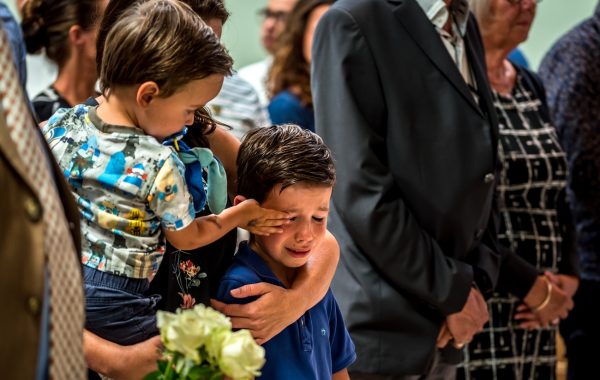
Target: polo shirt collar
{"type": "Point", "coordinates": [252, 260]}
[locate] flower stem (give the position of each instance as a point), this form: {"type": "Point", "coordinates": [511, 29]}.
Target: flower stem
{"type": "Point", "coordinates": [169, 370]}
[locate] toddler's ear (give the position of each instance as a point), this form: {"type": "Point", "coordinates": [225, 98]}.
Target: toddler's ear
{"type": "Point", "coordinates": [146, 92]}
{"type": "Point", "coordinates": [238, 199]}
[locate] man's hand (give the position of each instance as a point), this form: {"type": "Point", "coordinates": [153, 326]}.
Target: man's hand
{"type": "Point", "coordinates": [444, 337]}
{"type": "Point", "coordinates": [463, 325]}
{"type": "Point", "coordinates": [138, 360]}
{"type": "Point", "coordinates": [121, 362]}
{"type": "Point", "coordinates": [274, 310]}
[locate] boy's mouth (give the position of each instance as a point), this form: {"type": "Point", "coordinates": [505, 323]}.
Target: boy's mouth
{"type": "Point", "coordinates": [298, 253]}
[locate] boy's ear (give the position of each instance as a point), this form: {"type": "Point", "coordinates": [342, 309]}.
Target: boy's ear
{"type": "Point", "coordinates": [238, 199]}
{"type": "Point", "coordinates": [146, 93]}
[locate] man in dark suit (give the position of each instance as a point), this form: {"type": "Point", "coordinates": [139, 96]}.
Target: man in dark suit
{"type": "Point", "coordinates": [401, 98]}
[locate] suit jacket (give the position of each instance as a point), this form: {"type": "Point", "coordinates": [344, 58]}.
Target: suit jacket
{"type": "Point", "coordinates": [22, 266]}
{"type": "Point", "coordinates": [415, 157]}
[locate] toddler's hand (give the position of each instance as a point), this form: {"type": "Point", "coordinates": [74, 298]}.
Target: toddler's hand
{"type": "Point", "coordinates": [262, 221]}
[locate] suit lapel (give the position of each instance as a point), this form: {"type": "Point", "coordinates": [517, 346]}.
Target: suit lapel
{"type": "Point", "coordinates": [420, 29]}
{"type": "Point", "coordinates": [485, 97]}
{"type": "Point", "coordinates": [9, 151]}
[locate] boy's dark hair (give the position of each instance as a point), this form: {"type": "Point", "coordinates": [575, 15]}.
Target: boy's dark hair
{"type": "Point", "coordinates": [209, 9]}
{"type": "Point", "coordinates": [162, 41]}
{"type": "Point", "coordinates": [282, 154]}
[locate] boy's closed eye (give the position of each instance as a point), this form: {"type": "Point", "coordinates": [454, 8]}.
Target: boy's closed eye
{"type": "Point", "coordinates": [315, 218]}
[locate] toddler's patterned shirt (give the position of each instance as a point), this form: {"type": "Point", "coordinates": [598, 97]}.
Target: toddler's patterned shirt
{"type": "Point", "coordinates": [127, 186]}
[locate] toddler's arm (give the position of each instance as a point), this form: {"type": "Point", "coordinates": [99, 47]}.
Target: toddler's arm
{"type": "Point", "coordinates": [207, 229]}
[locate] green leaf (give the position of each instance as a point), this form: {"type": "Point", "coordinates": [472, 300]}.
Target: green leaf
{"type": "Point", "coordinates": [200, 373]}
{"type": "Point", "coordinates": [156, 375]}
{"type": "Point", "coordinates": [162, 365]}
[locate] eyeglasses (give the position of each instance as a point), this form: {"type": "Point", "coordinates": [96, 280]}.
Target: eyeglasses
{"type": "Point", "coordinates": [278, 16]}
{"type": "Point", "coordinates": [518, 2]}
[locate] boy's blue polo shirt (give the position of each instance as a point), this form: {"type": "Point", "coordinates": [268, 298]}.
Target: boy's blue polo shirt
{"type": "Point", "coordinates": [314, 347]}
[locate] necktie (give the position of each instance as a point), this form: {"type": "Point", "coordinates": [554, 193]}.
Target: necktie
{"type": "Point", "coordinates": [64, 271]}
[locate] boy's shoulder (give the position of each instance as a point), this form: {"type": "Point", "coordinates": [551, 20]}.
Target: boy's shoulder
{"type": "Point", "coordinates": [248, 267]}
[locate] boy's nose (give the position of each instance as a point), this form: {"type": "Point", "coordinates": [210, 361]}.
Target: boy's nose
{"type": "Point", "coordinates": [304, 232]}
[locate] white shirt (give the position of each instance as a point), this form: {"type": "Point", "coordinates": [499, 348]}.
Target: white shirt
{"type": "Point", "coordinates": [438, 13]}
{"type": "Point", "coordinates": [256, 74]}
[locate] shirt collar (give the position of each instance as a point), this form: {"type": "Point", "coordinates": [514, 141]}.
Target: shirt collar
{"type": "Point", "coordinates": [252, 260]}
{"type": "Point", "coordinates": [437, 12]}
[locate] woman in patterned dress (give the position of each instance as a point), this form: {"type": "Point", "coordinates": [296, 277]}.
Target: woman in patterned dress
{"type": "Point", "coordinates": [519, 342]}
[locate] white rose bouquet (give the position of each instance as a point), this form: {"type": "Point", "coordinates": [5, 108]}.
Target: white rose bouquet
{"type": "Point", "coordinates": [200, 345]}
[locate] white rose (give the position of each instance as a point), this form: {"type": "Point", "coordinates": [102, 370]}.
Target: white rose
{"type": "Point", "coordinates": [183, 332]}
{"type": "Point", "coordinates": [241, 358]}
{"type": "Point", "coordinates": [213, 320]}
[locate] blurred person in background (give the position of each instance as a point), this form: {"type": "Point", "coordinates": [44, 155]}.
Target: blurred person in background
{"type": "Point", "coordinates": [519, 342]}
{"type": "Point", "coordinates": [66, 31]}
{"type": "Point", "coordinates": [571, 73]}
{"type": "Point", "coordinates": [289, 77]}
{"type": "Point", "coordinates": [15, 38]}
{"type": "Point", "coordinates": [238, 104]}
{"type": "Point", "coordinates": [274, 21]}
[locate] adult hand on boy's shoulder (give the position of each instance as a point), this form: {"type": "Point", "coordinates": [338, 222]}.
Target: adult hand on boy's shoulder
{"type": "Point", "coordinates": [266, 317]}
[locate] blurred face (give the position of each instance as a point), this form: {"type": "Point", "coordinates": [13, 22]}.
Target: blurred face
{"type": "Point", "coordinates": [311, 25]}
{"type": "Point", "coordinates": [274, 22]}
{"type": "Point", "coordinates": [308, 206]}
{"type": "Point", "coordinates": [162, 117]}
{"type": "Point", "coordinates": [508, 22]}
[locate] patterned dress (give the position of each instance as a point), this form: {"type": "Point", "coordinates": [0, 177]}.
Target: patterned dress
{"type": "Point", "coordinates": [531, 191]}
